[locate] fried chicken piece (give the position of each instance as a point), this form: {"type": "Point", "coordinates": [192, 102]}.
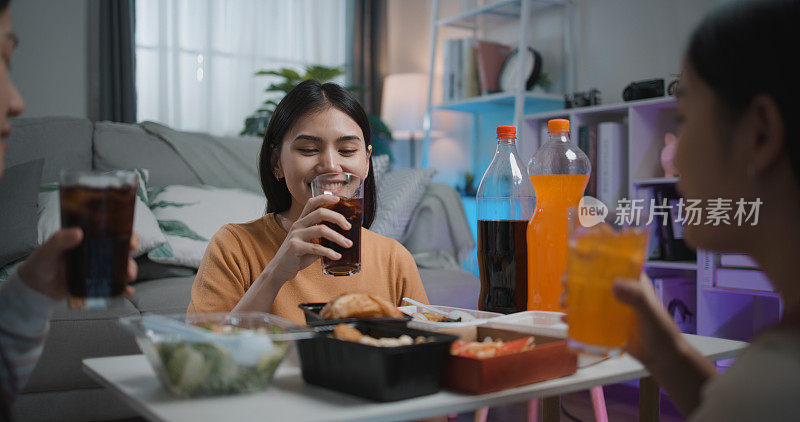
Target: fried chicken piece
{"type": "Point", "coordinates": [347, 333]}
{"type": "Point", "coordinates": [359, 305]}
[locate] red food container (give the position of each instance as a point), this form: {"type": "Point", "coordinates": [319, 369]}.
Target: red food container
{"type": "Point", "coordinates": [550, 358]}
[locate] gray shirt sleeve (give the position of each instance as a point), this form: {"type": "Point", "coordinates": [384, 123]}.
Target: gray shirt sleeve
{"type": "Point", "coordinates": [24, 323]}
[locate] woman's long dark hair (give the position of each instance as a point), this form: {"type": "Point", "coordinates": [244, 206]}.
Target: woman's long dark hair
{"type": "Point", "coordinates": [744, 49]}
{"type": "Point", "coordinates": [309, 97]}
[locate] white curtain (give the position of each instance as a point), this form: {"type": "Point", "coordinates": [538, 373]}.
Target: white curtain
{"type": "Point", "coordinates": [195, 59]}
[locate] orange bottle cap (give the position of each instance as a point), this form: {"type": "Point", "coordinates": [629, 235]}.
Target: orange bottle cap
{"type": "Point", "coordinates": [558, 125]}
{"type": "Point", "coordinates": [506, 131]}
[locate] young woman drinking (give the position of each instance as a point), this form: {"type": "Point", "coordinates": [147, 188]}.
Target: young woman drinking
{"type": "Point", "coordinates": [273, 264]}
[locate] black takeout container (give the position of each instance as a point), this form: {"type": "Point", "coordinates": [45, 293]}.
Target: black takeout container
{"type": "Point", "coordinates": [377, 373]}
{"type": "Point", "coordinates": [313, 318]}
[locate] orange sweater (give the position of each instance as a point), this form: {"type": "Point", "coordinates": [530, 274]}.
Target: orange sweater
{"type": "Point", "coordinates": [238, 253]}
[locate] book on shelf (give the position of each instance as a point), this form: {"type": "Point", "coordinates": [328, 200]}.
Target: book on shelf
{"type": "Point", "coordinates": [587, 142]}
{"type": "Point", "coordinates": [448, 76]}
{"type": "Point", "coordinates": [460, 73]}
{"type": "Point", "coordinates": [707, 267]}
{"type": "Point", "coordinates": [646, 193]}
{"type": "Point", "coordinates": [679, 297]}
{"type": "Point", "coordinates": [458, 64]}
{"type": "Point", "coordinates": [612, 167]}
{"type": "Point", "coordinates": [732, 278]}
{"type": "Point", "coordinates": [469, 72]}
{"type": "Point", "coordinates": [737, 260]}
{"type": "Point", "coordinates": [673, 245]}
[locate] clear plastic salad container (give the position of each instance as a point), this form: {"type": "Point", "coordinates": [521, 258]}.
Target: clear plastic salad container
{"type": "Point", "coordinates": [216, 353]}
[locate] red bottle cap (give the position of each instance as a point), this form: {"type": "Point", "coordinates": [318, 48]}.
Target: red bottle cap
{"type": "Point", "coordinates": [506, 132]}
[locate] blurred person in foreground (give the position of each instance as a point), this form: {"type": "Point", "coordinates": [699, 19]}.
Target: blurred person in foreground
{"type": "Point", "coordinates": [737, 103]}
{"type": "Point", "coordinates": [30, 295]}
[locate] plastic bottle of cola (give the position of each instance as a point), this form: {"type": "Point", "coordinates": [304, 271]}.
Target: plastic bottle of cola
{"type": "Point", "coordinates": [505, 204]}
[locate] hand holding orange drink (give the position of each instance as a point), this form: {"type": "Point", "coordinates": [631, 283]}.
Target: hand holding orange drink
{"type": "Point", "coordinates": [597, 256]}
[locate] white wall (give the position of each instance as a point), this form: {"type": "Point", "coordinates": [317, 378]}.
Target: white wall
{"type": "Point", "coordinates": [50, 64]}
{"type": "Point", "coordinates": [626, 40]}
{"type": "Point", "coordinates": [409, 31]}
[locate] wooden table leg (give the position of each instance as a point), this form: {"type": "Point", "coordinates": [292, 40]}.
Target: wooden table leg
{"type": "Point", "coordinates": [551, 409]}
{"type": "Point", "coordinates": [649, 400]}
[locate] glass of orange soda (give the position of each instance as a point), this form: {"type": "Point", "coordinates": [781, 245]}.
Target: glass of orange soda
{"type": "Point", "coordinates": [597, 256]}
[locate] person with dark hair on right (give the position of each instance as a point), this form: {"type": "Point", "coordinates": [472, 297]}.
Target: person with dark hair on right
{"type": "Point", "coordinates": [738, 101]}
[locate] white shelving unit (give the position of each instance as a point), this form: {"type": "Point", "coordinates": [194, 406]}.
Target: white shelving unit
{"type": "Point", "coordinates": [731, 313]}
{"type": "Point", "coordinates": [501, 12]}
{"type": "Point", "coordinates": [721, 312]}
{"type": "Point", "coordinates": [672, 265]}
{"type": "Point", "coordinates": [647, 121]}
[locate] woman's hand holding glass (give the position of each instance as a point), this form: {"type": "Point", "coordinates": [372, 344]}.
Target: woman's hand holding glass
{"type": "Point", "coordinates": [654, 334]}
{"type": "Point", "coordinates": [301, 246]}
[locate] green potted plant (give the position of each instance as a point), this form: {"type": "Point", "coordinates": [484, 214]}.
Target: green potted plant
{"type": "Point", "coordinates": [256, 123]}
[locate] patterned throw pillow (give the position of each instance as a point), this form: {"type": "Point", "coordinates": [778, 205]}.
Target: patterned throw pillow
{"type": "Point", "coordinates": [18, 195]}
{"type": "Point", "coordinates": [399, 192]}
{"type": "Point", "coordinates": [380, 165]}
{"type": "Point", "coordinates": [6, 271]}
{"type": "Point", "coordinates": [144, 222]}
{"type": "Point", "coordinates": [190, 215]}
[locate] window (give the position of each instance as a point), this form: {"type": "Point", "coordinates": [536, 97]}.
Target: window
{"type": "Point", "coordinates": [196, 59]}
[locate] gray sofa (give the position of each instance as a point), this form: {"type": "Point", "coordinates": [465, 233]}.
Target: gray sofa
{"type": "Point", "coordinates": [58, 389]}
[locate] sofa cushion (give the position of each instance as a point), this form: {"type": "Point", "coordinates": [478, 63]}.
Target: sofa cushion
{"type": "Point", "coordinates": [149, 270]}
{"type": "Point", "coordinates": [399, 192]}
{"type": "Point", "coordinates": [19, 193]}
{"type": "Point", "coordinates": [439, 224]}
{"type": "Point", "coordinates": [76, 335]}
{"type": "Point", "coordinates": [380, 165]}
{"type": "Point", "coordinates": [225, 162]}
{"type": "Point", "coordinates": [189, 216]}
{"type": "Point", "coordinates": [128, 146]}
{"type": "Point", "coordinates": [166, 295]}
{"type": "Point", "coordinates": [455, 288]}
{"type": "Point", "coordinates": [64, 143]}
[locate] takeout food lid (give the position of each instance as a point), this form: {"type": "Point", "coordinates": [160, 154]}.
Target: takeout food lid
{"type": "Point", "coordinates": [313, 318]}
{"type": "Point", "coordinates": [550, 358]}
{"type": "Point", "coordinates": [373, 372]}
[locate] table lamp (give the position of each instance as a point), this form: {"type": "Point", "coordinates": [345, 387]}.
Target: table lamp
{"type": "Point", "coordinates": [403, 108]}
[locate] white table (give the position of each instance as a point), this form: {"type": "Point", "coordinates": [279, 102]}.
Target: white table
{"type": "Point", "coordinates": [290, 399]}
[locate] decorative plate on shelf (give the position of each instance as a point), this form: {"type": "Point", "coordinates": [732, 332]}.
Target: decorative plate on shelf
{"type": "Point", "coordinates": [509, 74]}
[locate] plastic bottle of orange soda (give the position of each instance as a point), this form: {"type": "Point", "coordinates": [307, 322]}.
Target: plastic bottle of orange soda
{"type": "Point", "coordinates": [559, 172]}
